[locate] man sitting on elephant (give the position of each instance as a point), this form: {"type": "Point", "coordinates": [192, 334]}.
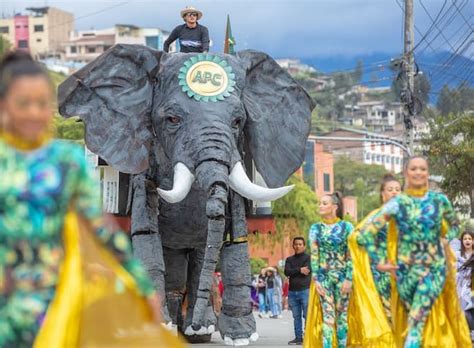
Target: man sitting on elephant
{"type": "Point", "coordinates": [192, 119]}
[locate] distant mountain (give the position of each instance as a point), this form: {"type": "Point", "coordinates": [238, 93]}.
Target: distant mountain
{"type": "Point", "coordinates": [441, 68]}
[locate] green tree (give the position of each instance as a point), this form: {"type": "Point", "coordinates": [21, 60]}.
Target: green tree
{"type": "Point", "coordinates": [70, 129]}
{"type": "Point", "coordinates": [444, 104]}
{"type": "Point", "coordinates": [256, 264]}
{"type": "Point", "coordinates": [361, 180]}
{"type": "Point", "coordinates": [295, 212]}
{"type": "Point", "coordinates": [4, 46]}
{"type": "Point", "coordinates": [358, 71]}
{"type": "Point", "coordinates": [450, 148]}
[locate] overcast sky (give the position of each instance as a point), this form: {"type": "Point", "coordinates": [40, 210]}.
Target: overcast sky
{"type": "Point", "coordinates": [282, 28]}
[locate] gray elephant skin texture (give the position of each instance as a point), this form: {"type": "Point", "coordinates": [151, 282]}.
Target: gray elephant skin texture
{"type": "Point", "coordinates": [138, 118]}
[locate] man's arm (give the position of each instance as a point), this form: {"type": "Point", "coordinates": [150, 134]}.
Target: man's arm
{"type": "Point", "coordinates": [290, 270]}
{"type": "Point", "coordinates": [205, 39]}
{"type": "Point", "coordinates": [173, 36]}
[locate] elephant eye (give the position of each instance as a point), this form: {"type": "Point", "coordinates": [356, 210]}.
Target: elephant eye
{"type": "Point", "coordinates": [174, 119]}
{"type": "Point", "coordinates": [236, 123]}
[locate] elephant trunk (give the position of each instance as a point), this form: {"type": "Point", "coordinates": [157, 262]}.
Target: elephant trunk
{"type": "Point", "coordinates": [213, 177]}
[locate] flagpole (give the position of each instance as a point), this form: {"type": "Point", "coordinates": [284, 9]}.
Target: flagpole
{"type": "Point", "coordinates": [226, 42]}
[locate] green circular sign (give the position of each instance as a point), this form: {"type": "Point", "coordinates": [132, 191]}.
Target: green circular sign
{"type": "Point", "coordinates": [206, 77]}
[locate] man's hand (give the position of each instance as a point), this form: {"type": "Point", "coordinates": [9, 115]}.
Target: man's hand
{"type": "Point", "coordinates": [346, 287]}
{"type": "Point", "coordinates": [305, 270]}
{"type": "Point", "coordinates": [320, 289]}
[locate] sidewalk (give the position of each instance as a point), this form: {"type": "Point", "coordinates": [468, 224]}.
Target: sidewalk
{"type": "Point", "coordinates": [273, 333]}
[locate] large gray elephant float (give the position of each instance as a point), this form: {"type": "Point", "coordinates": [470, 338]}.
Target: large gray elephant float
{"type": "Point", "coordinates": [183, 123]}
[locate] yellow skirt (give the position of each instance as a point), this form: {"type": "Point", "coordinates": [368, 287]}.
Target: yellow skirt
{"type": "Point", "coordinates": [446, 326]}
{"type": "Point", "coordinates": [97, 303]}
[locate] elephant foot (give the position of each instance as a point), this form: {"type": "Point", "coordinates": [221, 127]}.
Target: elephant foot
{"type": "Point", "coordinates": [200, 331]}
{"type": "Point", "coordinates": [206, 327]}
{"type": "Point", "coordinates": [238, 331]}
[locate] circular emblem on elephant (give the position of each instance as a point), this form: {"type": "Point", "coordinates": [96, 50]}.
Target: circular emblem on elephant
{"type": "Point", "coordinates": [206, 77]}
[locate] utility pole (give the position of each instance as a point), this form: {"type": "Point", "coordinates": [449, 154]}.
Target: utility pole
{"type": "Point", "coordinates": [407, 96]}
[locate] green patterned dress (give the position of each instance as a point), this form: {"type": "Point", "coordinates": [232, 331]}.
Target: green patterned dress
{"type": "Point", "coordinates": [37, 188]}
{"type": "Point", "coordinates": [420, 254]}
{"type": "Point", "coordinates": [331, 265]}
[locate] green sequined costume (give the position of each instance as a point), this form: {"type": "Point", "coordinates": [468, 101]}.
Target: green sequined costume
{"type": "Point", "coordinates": [37, 188]}
{"type": "Point", "coordinates": [331, 264]}
{"type": "Point", "coordinates": [420, 254]}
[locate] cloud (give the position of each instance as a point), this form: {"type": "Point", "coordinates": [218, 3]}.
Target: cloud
{"type": "Point", "coordinates": [299, 28]}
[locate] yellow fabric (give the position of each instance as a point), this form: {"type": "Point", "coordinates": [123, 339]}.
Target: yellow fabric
{"type": "Point", "coordinates": [22, 144]}
{"type": "Point", "coordinates": [97, 303]}
{"type": "Point", "coordinates": [313, 335]}
{"type": "Point", "coordinates": [446, 326]}
{"type": "Point", "coordinates": [331, 221]}
{"type": "Point", "coordinates": [368, 324]}
{"type": "Point", "coordinates": [416, 192]}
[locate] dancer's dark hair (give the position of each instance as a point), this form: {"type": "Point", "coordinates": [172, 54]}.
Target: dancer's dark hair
{"type": "Point", "coordinates": [16, 64]}
{"type": "Point", "coordinates": [389, 177]}
{"type": "Point", "coordinates": [336, 198]}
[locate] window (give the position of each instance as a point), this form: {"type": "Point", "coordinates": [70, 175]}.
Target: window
{"type": "Point", "coordinates": [73, 49]}
{"type": "Point", "coordinates": [38, 40]}
{"type": "Point", "coordinates": [38, 28]}
{"type": "Point", "coordinates": [327, 182]}
{"type": "Point", "coordinates": [378, 158]}
{"type": "Point", "coordinates": [25, 26]}
{"type": "Point", "coordinates": [387, 160]}
{"type": "Point", "coordinates": [367, 156]}
{"type": "Point", "coordinates": [4, 30]}
{"type": "Point", "coordinates": [90, 49]}
{"type": "Point", "coordinates": [18, 26]}
{"type": "Point", "coordinates": [398, 160]}
{"type": "Point", "coordinates": [22, 44]}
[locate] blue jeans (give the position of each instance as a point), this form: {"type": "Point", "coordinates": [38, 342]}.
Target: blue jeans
{"type": "Point", "coordinates": [298, 302]}
{"type": "Point", "coordinates": [270, 301]}
{"type": "Point", "coordinates": [261, 302]}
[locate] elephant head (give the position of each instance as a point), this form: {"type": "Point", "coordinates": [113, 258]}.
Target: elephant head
{"type": "Point", "coordinates": [203, 110]}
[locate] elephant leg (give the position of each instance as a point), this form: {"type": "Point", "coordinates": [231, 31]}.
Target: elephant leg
{"type": "Point", "coordinates": [176, 262]}
{"type": "Point", "coordinates": [148, 249]}
{"type": "Point", "coordinates": [196, 259]}
{"type": "Point", "coordinates": [236, 321]}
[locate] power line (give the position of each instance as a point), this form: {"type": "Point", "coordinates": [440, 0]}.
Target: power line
{"type": "Point", "coordinates": [91, 14]}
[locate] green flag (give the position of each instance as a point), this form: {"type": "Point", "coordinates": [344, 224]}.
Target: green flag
{"type": "Point", "coordinates": [229, 39]}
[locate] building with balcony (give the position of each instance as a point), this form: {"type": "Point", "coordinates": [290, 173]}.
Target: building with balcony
{"type": "Point", "coordinates": [84, 46]}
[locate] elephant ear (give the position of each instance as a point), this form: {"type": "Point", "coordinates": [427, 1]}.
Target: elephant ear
{"type": "Point", "coordinates": [278, 117]}
{"type": "Point", "coordinates": [113, 95]}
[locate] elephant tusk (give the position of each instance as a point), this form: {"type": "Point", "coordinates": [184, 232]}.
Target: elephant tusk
{"type": "Point", "coordinates": [182, 181]}
{"type": "Point", "coordinates": [240, 183]}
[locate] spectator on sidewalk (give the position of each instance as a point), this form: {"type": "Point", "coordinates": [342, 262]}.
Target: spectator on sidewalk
{"type": "Point", "coordinates": [298, 269]}
{"type": "Point", "coordinates": [262, 299]}
{"type": "Point", "coordinates": [277, 295]}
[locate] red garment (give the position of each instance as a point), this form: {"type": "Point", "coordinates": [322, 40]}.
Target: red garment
{"type": "Point", "coordinates": [286, 287]}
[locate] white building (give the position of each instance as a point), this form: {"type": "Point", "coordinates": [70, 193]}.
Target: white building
{"type": "Point", "coordinates": [84, 46]}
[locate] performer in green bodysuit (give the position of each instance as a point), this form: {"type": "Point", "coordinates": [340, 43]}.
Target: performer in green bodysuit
{"type": "Point", "coordinates": [421, 266]}
{"type": "Point", "coordinates": [40, 181]}
{"type": "Point", "coordinates": [377, 246]}
{"type": "Point", "coordinates": [332, 269]}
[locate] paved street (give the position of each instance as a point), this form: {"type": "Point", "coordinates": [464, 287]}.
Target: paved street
{"type": "Point", "coordinates": [273, 333]}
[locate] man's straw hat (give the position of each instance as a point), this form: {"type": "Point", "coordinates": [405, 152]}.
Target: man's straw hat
{"type": "Point", "coordinates": [190, 9]}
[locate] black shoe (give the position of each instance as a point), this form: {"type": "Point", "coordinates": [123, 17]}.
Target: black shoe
{"type": "Point", "coordinates": [296, 341]}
